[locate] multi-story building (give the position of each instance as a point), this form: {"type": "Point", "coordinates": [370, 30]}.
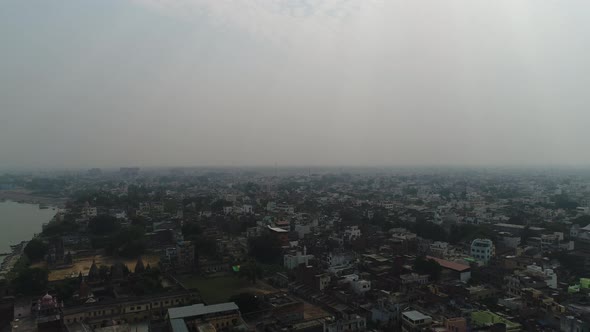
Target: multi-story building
{"type": "Point", "coordinates": [125, 310]}
{"type": "Point", "coordinates": [280, 234]}
{"type": "Point", "coordinates": [185, 252]}
{"type": "Point", "coordinates": [181, 257]}
{"type": "Point", "coordinates": [415, 321]}
{"type": "Point", "coordinates": [346, 321]}
{"type": "Point", "coordinates": [482, 250]}
{"type": "Point", "coordinates": [221, 316]}
{"type": "Point", "coordinates": [293, 260]}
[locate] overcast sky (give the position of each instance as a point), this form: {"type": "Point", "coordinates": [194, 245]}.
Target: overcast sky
{"type": "Point", "coordinates": [297, 82]}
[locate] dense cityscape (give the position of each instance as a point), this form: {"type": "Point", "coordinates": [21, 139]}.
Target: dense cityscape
{"type": "Point", "coordinates": [301, 249]}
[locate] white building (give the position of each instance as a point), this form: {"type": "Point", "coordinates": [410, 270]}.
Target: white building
{"type": "Point", "coordinates": [549, 275]}
{"type": "Point", "coordinates": [292, 261]}
{"type": "Point", "coordinates": [358, 285]}
{"type": "Point", "coordinates": [246, 208]}
{"type": "Point", "coordinates": [482, 250]}
{"type": "Point", "coordinates": [361, 286]}
{"type": "Point", "coordinates": [352, 233]}
{"type": "Point", "coordinates": [415, 321]}
{"type": "Point", "coordinates": [302, 230]}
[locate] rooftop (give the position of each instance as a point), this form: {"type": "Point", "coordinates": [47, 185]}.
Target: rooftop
{"type": "Point", "coordinates": [200, 309]}
{"type": "Point", "coordinates": [178, 325]}
{"type": "Point", "coordinates": [277, 230]}
{"type": "Point", "coordinates": [484, 318]}
{"type": "Point", "coordinates": [415, 315]}
{"type": "Point", "coordinates": [450, 265]}
{"type": "Point", "coordinates": [513, 226]}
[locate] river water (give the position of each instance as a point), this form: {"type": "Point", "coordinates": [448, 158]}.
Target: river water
{"type": "Point", "coordinates": [20, 221]}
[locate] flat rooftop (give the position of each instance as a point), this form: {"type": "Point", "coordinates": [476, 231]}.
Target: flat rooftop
{"type": "Point", "coordinates": [200, 309]}
{"type": "Point", "coordinates": [415, 315]}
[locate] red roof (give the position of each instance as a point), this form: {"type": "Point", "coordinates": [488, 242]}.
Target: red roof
{"type": "Point", "coordinates": [450, 265]}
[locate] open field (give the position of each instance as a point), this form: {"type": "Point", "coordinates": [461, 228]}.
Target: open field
{"type": "Point", "coordinates": [220, 289]}
{"type": "Point", "coordinates": [83, 265]}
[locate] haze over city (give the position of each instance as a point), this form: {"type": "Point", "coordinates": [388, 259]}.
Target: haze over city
{"type": "Point", "coordinates": [359, 82]}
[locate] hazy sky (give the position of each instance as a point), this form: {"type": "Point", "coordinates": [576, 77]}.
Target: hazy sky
{"type": "Point", "coordinates": [297, 82]}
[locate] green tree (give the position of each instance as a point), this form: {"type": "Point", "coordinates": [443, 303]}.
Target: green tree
{"type": "Point", "coordinates": [247, 302]}
{"type": "Point", "coordinates": [429, 230]}
{"type": "Point", "coordinates": [564, 202]}
{"type": "Point", "coordinates": [35, 250]}
{"type": "Point", "coordinates": [103, 225]}
{"type": "Point", "coordinates": [266, 249]}
{"type": "Point", "coordinates": [526, 233]}
{"type": "Point", "coordinates": [582, 221]}
{"type": "Point", "coordinates": [218, 205]}
{"type": "Point", "coordinates": [128, 242]}
{"type": "Point", "coordinates": [250, 271]}
{"type": "Point", "coordinates": [31, 281]}
{"type": "Point", "coordinates": [428, 266]}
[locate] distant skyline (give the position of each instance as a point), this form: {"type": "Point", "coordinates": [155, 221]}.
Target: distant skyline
{"type": "Point", "coordinates": [163, 83]}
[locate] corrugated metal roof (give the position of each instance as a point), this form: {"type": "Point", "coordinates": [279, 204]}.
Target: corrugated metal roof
{"type": "Point", "coordinates": [450, 265]}
{"type": "Point", "coordinates": [200, 309]}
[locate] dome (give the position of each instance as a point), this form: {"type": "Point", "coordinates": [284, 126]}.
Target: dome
{"type": "Point", "coordinates": [47, 300]}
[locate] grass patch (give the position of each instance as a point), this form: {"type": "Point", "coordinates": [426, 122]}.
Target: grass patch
{"type": "Point", "coordinates": [215, 290]}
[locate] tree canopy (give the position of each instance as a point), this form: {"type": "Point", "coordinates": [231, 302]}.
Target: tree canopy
{"type": "Point", "coordinates": [31, 281]}
{"type": "Point", "coordinates": [128, 242]}
{"type": "Point", "coordinates": [247, 302]}
{"type": "Point", "coordinates": [103, 225]}
{"type": "Point", "coordinates": [266, 249]}
{"type": "Point", "coordinates": [35, 250]}
{"type": "Point", "coordinates": [428, 266]}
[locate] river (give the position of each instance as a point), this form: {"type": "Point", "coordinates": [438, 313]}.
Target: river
{"type": "Point", "coordinates": [20, 221]}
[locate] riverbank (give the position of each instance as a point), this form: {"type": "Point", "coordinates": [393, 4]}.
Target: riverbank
{"type": "Point", "coordinates": [19, 222]}
{"type": "Point", "coordinates": [12, 258]}
{"type": "Point", "coordinates": [26, 196]}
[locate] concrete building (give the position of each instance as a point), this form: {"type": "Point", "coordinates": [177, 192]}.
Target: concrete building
{"type": "Point", "coordinates": [573, 324]}
{"type": "Point", "coordinates": [221, 316]}
{"type": "Point", "coordinates": [414, 278]}
{"type": "Point", "coordinates": [453, 270]}
{"type": "Point", "coordinates": [125, 310]}
{"type": "Point", "coordinates": [482, 250]}
{"type": "Point", "coordinates": [352, 233]}
{"type": "Point", "coordinates": [281, 235]}
{"type": "Point", "coordinates": [482, 319]}
{"type": "Point", "coordinates": [414, 321]}
{"type": "Point", "coordinates": [291, 261]}
{"type": "Point", "coordinates": [185, 252]}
